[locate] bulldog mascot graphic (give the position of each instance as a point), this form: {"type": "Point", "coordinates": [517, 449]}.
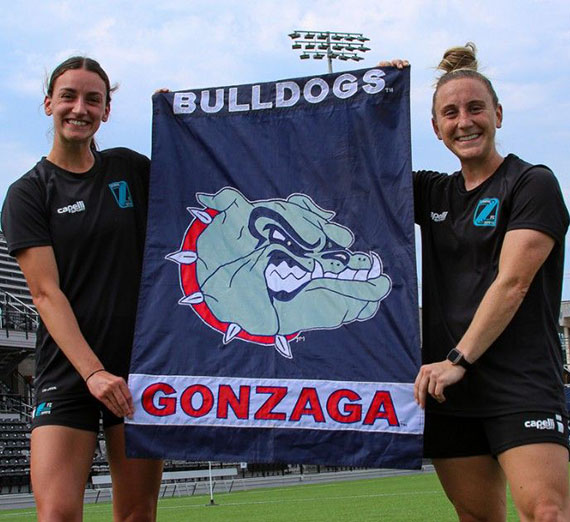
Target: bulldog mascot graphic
{"type": "Point", "coordinates": [265, 271]}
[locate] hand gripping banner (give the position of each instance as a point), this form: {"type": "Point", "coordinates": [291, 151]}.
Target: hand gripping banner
{"type": "Point", "coordinates": [278, 314]}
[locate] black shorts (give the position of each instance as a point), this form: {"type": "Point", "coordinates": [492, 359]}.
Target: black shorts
{"type": "Point", "coordinates": [447, 436]}
{"type": "Point", "coordinates": [81, 412]}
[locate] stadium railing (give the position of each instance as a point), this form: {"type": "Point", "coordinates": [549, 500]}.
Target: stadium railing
{"type": "Point", "coordinates": [173, 482]}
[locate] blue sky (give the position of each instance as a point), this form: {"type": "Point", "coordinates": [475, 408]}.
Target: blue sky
{"type": "Point", "coordinates": [524, 48]}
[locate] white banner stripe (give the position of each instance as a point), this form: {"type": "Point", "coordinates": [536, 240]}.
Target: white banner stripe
{"type": "Point", "coordinates": [275, 403]}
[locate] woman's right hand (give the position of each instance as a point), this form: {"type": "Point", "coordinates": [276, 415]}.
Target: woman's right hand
{"type": "Point", "coordinates": [399, 63]}
{"type": "Point", "coordinates": [113, 392]}
{"type": "Point", "coordinates": [40, 268]}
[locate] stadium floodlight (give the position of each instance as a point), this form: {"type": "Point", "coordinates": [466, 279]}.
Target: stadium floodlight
{"type": "Point", "coordinates": [336, 45]}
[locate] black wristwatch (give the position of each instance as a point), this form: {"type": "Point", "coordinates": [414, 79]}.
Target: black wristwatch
{"type": "Point", "coordinates": [456, 358]}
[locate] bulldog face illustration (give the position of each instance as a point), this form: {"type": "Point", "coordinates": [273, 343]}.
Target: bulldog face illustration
{"type": "Point", "coordinates": [264, 271]}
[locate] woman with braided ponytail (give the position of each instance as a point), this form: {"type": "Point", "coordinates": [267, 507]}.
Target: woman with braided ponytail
{"type": "Point", "coordinates": [76, 225]}
{"type": "Point", "coordinates": [492, 255]}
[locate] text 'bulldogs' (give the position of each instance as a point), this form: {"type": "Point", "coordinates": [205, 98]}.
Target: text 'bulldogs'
{"type": "Point", "coordinates": [278, 95]}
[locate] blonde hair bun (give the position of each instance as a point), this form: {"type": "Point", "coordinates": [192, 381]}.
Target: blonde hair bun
{"type": "Point", "coordinates": [457, 58]}
{"type": "Point", "coordinates": [457, 63]}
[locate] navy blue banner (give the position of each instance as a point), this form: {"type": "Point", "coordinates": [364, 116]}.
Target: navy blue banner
{"type": "Point", "coordinates": [278, 314]}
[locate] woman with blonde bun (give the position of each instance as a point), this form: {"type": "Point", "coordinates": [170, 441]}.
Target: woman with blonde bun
{"type": "Point", "coordinates": [492, 255]}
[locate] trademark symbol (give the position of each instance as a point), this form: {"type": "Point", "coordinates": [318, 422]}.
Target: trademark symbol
{"type": "Point", "coordinates": [389, 89]}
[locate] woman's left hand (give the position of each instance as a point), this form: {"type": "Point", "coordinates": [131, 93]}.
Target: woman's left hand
{"type": "Point", "coordinates": [434, 378]}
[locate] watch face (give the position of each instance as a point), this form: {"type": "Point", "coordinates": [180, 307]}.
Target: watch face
{"type": "Point", "coordinates": [454, 356]}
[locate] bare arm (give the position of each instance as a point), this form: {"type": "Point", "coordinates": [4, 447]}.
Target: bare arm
{"type": "Point", "coordinates": [522, 254]}
{"type": "Point", "coordinates": [40, 269]}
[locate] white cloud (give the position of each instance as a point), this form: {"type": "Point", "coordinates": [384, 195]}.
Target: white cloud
{"type": "Point", "coordinates": [523, 47]}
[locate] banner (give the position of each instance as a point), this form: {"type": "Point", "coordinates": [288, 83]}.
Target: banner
{"type": "Point", "coordinates": [278, 313]}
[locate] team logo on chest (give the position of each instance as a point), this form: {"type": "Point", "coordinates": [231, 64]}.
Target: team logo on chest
{"type": "Point", "coordinates": [486, 213]}
{"type": "Point", "coordinates": [263, 271]}
{"type": "Point", "coordinates": [122, 194]}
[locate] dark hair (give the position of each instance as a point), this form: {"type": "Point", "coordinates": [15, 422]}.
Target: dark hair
{"type": "Point", "coordinates": [461, 62]}
{"type": "Point", "coordinates": [80, 62]}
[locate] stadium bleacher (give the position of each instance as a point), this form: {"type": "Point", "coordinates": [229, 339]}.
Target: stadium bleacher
{"type": "Point", "coordinates": [14, 455]}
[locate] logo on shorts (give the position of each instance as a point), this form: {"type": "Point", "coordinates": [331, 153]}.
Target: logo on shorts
{"type": "Point", "coordinates": [122, 193]}
{"type": "Point", "coordinates": [546, 424]}
{"type": "Point", "coordinates": [486, 213]}
{"type": "Point", "coordinates": [43, 408]}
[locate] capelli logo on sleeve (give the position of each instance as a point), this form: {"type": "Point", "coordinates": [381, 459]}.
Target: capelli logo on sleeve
{"type": "Point", "coordinates": [438, 218]}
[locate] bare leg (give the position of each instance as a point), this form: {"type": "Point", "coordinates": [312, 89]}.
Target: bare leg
{"type": "Point", "coordinates": [538, 478]}
{"type": "Point", "coordinates": [60, 462]}
{"type": "Point", "coordinates": [136, 482]}
{"type": "Point", "coordinates": [475, 486]}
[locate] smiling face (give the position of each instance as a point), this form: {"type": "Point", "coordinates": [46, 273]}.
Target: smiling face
{"type": "Point", "coordinates": [78, 105]}
{"type": "Point", "coordinates": [466, 119]}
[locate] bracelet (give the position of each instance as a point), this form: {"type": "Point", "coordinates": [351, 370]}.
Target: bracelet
{"type": "Point", "coordinates": [93, 373]}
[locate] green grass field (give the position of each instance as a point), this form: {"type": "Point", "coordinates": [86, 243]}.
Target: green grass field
{"type": "Point", "coordinates": [413, 498]}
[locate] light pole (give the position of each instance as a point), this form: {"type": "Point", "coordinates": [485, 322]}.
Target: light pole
{"type": "Point", "coordinates": [318, 44]}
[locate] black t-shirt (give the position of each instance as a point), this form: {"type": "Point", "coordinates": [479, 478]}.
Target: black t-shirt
{"type": "Point", "coordinates": [95, 222]}
{"type": "Point", "coordinates": [462, 236]}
